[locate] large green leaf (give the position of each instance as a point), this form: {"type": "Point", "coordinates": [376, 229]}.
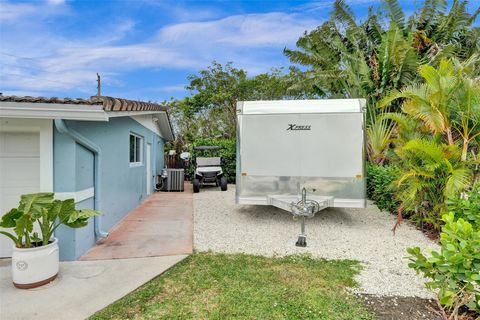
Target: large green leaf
{"type": "Point", "coordinates": [79, 218]}
{"type": "Point", "coordinates": [62, 210]}
{"type": "Point", "coordinates": [34, 203]}
{"type": "Point", "coordinates": [24, 225]}
{"type": "Point", "coordinates": [9, 219]}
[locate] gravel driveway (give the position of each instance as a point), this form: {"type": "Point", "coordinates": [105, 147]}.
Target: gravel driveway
{"type": "Point", "coordinates": [360, 234]}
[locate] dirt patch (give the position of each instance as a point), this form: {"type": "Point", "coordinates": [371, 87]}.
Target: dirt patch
{"type": "Point", "coordinates": [400, 308]}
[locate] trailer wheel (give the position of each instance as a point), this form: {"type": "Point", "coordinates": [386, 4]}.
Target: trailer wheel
{"type": "Point", "coordinates": [223, 184]}
{"type": "Point", "coordinates": [196, 185]}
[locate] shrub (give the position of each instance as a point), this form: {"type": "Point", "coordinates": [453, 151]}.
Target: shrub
{"type": "Point", "coordinates": [380, 186]}
{"type": "Point", "coordinates": [228, 150]}
{"type": "Point", "coordinates": [467, 207]}
{"type": "Point", "coordinates": [455, 270]}
{"type": "Point", "coordinates": [431, 173]}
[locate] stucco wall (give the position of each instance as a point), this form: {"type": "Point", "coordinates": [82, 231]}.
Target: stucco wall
{"type": "Point", "coordinates": [122, 187]}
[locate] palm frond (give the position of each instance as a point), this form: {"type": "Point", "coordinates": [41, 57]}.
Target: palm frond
{"type": "Point", "coordinates": [458, 180]}
{"type": "Point", "coordinates": [395, 13]}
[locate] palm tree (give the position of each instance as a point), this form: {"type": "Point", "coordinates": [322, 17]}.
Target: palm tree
{"type": "Point", "coordinates": [350, 59]}
{"type": "Point", "coordinates": [447, 103]}
{"type": "Point", "coordinates": [431, 173]}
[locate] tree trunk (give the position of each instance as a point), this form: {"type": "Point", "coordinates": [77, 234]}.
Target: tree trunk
{"type": "Point", "coordinates": [465, 149]}
{"type": "Point", "coordinates": [449, 136]}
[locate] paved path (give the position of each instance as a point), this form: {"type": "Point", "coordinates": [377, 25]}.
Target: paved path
{"type": "Point", "coordinates": [82, 288]}
{"type": "Point", "coordinates": [162, 225]}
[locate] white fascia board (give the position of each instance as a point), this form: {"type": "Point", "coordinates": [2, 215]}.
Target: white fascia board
{"type": "Point", "coordinates": [165, 127]}
{"type": "Point", "coordinates": [158, 122]}
{"type": "Point", "coordinates": [147, 120]}
{"type": "Point", "coordinates": [31, 110]}
{"type": "Point", "coordinates": [113, 114]}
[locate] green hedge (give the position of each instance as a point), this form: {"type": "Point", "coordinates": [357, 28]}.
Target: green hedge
{"type": "Point", "coordinates": [380, 188]}
{"type": "Point", "coordinates": [228, 148]}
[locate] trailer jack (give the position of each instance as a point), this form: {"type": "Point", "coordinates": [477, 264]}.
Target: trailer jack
{"type": "Point", "coordinates": [304, 209]}
{"type": "Point", "coordinates": [301, 209]}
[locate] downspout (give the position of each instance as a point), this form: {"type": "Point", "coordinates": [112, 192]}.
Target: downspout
{"type": "Point", "coordinates": [80, 139]}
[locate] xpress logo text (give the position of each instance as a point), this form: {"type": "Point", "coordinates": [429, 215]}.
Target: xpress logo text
{"type": "Point", "coordinates": [295, 127]}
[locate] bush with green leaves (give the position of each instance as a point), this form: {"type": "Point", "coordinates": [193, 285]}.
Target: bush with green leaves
{"type": "Point", "coordinates": [228, 151]}
{"type": "Point", "coordinates": [380, 186]}
{"type": "Point", "coordinates": [455, 270]}
{"type": "Point", "coordinates": [468, 206]}
{"type": "Point", "coordinates": [49, 214]}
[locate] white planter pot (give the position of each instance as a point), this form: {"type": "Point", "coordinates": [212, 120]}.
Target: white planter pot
{"type": "Point", "coordinates": [34, 267]}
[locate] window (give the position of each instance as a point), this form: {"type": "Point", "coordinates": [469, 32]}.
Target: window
{"type": "Point", "coordinates": [136, 144]}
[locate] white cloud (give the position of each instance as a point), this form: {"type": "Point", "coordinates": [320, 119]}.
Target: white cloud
{"type": "Point", "coordinates": [250, 30]}
{"type": "Point", "coordinates": [328, 5]}
{"type": "Point", "coordinates": [56, 2]}
{"type": "Point", "coordinates": [10, 11]}
{"type": "Point", "coordinates": [18, 12]}
{"type": "Point", "coordinates": [252, 41]}
{"type": "Point", "coordinates": [172, 88]}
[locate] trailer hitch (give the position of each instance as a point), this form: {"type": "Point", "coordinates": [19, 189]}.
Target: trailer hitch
{"type": "Point", "coordinates": [304, 209]}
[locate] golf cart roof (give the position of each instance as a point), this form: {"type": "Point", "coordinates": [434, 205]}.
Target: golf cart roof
{"type": "Point", "coordinates": [206, 148]}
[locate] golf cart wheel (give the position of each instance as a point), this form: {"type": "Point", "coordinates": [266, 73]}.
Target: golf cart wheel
{"type": "Point", "coordinates": [223, 184]}
{"type": "Point", "coordinates": [196, 185]}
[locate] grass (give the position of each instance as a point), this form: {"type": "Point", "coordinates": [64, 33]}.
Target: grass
{"type": "Point", "coordinates": [239, 286]}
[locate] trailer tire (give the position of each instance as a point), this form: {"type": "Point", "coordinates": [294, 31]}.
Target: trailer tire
{"type": "Point", "coordinates": [196, 185]}
{"type": "Point", "coordinates": [223, 184]}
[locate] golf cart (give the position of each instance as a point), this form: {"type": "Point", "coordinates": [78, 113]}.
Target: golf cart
{"type": "Point", "coordinates": [208, 169]}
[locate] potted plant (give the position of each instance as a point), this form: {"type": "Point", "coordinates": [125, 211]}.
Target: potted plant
{"type": "Point", "coordinates": [35, 259]}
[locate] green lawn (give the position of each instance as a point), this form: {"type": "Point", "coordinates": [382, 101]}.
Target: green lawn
{"type": "Point", "coordinates": [239, 286]}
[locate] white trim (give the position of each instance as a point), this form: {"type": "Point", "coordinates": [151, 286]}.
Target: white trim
{"type": "Point", "coordinates": [149, 122]}
{"type": "Point", "coordinates": [33, 110]}
{"type": "Point", "coordinates": [136, 164]}
{"type": "Point", "coordinates": [78, 196]}
{"type": "Point", "coordinates": [10, 109]}
{"type": "Point", "coordinates": [45, 128]}
{"type": "Point", "coordinates": [114, 114]}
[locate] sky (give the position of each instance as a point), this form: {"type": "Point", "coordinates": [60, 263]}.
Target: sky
{"type": "Point", "coordinates": [145, 49]}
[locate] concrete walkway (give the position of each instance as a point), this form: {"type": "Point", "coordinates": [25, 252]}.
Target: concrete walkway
{"type": "Point", "coordinates": [82, 288]}
{"type": "Point", "coordinates": [162, 225]}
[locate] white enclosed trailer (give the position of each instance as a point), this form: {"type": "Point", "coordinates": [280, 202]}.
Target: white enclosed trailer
{"type": "Point", "coordinates": [286, 146]}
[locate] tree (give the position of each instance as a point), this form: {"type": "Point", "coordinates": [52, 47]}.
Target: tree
{"type": "Point", "coordinates": [210, 111]}
{"type": "Point", "coordinates": [364, 60]}
{"type": "Point", "coordinates": [447, 102]}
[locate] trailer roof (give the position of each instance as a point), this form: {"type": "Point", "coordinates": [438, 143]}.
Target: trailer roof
{"type": "Point", "coordinates": [301, 106]}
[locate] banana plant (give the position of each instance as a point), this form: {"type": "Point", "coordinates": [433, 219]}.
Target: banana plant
{"type": "Point", "coordinates": [48, 213]}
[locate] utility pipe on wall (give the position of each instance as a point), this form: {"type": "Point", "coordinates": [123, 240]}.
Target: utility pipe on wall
{"type": "Point", "coordinates": [80, 139]}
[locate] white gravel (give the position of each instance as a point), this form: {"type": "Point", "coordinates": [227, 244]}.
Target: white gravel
{"type": "Point", "coordinates": [360, 234]}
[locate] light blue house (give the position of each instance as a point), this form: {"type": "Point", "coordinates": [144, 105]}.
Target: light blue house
{"type": "Point", "coordinates": [103, 152]}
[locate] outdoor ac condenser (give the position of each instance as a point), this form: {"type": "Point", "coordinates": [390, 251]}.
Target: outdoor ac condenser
{"type": "Point", "coordinates": [284, 147]}
{"type": "Point", "coordinates": [173, 179]}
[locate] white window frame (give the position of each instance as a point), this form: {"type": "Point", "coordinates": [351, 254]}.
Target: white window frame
{"type": "Point", "coordinates": [139, 162]}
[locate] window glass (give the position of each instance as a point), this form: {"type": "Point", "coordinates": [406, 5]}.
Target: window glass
{"type": "Point", "coordinates": [135, 153]}
{"type": "Point", "coordinates": [132, 148]}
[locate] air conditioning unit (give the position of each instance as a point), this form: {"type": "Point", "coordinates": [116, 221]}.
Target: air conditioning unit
{"type": "Point", "coordinates": [173, 179]}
